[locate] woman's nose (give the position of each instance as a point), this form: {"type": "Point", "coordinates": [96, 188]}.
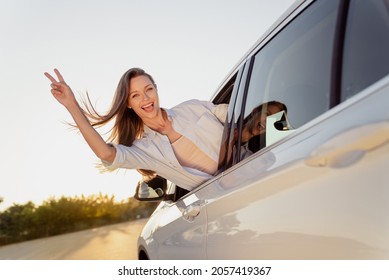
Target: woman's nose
{"type": "Point", "coordinates": [146, 96]}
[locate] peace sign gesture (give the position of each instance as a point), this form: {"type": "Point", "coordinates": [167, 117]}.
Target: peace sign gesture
{"type": "Point", "coordinates": [60, 90]}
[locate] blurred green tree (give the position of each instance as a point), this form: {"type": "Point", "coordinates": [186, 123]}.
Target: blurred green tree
{"type": "Point", "coordinates": [66, 214]}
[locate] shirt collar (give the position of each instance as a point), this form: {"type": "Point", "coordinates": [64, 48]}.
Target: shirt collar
{"type": "Point", "coordinates": [148, 131]}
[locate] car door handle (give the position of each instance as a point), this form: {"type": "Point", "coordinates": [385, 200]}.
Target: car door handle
{"type": "Point", "coordinates": [350, 146]}
{"type": "Point", "coordinates": [191, 212]}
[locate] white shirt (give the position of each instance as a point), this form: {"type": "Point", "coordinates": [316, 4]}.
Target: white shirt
{"type": "Point", "coordinates": [200, 121]}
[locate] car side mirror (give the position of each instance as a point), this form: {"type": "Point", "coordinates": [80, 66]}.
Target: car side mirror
{"type": "Point", "coordinates": [277, 127]}
{"type": "Point", "coordinates": [155, 189]}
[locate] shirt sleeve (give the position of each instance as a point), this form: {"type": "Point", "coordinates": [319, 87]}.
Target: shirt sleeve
{"type": "Point", "coordinates": [220, 111]}
{"type": "Point", "coordinates": [128, 157]}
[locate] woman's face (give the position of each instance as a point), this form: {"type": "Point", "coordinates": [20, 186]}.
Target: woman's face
{"type": "Point", "coordinates": [143, 97]}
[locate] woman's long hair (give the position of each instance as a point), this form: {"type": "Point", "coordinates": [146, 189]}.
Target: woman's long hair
{"type": "Point", "coordinates": [128, 126]}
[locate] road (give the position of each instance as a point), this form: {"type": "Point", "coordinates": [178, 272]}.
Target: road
{"type": "Point", "coordinates": [114, 242]}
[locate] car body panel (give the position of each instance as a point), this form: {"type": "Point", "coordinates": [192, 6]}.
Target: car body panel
{"type": "Point", "coordinates": [282, 208]}
{"type": "Point", "coordinates": [187, 241]}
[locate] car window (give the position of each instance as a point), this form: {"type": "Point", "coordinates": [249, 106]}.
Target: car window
{"type": "Point", "coordinates": [293, 73]}
{"type": "Point", "coordinates": [366, 49]}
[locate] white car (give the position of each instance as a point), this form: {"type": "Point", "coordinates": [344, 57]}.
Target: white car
{"type": "Point", "coordinates": [319, 190]}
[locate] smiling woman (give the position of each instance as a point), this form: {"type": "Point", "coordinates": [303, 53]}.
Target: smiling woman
{"type": "Point", "coordinates": [144, 135]}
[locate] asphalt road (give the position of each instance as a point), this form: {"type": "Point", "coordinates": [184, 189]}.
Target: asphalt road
{"type": "Point", "coordinates": [114, 242]}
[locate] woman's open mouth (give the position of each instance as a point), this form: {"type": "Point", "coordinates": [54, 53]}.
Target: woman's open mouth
{"type": "Point", "coordinates": [148, 107]}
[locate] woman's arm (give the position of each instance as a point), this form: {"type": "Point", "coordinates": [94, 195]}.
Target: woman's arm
{"type": "Point", "coordinates": [64, 95]}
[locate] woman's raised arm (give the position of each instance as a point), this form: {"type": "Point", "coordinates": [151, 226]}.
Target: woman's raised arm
{"type": "Point", "coordinates": [64, 95]}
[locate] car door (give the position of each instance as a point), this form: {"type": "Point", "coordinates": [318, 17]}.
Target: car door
{"type": "Point", "coordinates": [176, 230]}
{"type": "Point", "coordinates": [321, 191]}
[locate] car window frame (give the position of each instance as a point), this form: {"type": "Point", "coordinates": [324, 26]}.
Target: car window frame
{"type": "Point", "coordinates": [336, 55]}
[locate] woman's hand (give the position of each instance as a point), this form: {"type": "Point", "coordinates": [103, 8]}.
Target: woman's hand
{"type": "Point", "coordinates": [60, 90]}
{"type": "Point", "coordinates": [165, 127]}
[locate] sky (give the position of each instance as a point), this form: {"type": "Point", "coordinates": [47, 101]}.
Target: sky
{"type": "Point", "coordinates": [187, 46]}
